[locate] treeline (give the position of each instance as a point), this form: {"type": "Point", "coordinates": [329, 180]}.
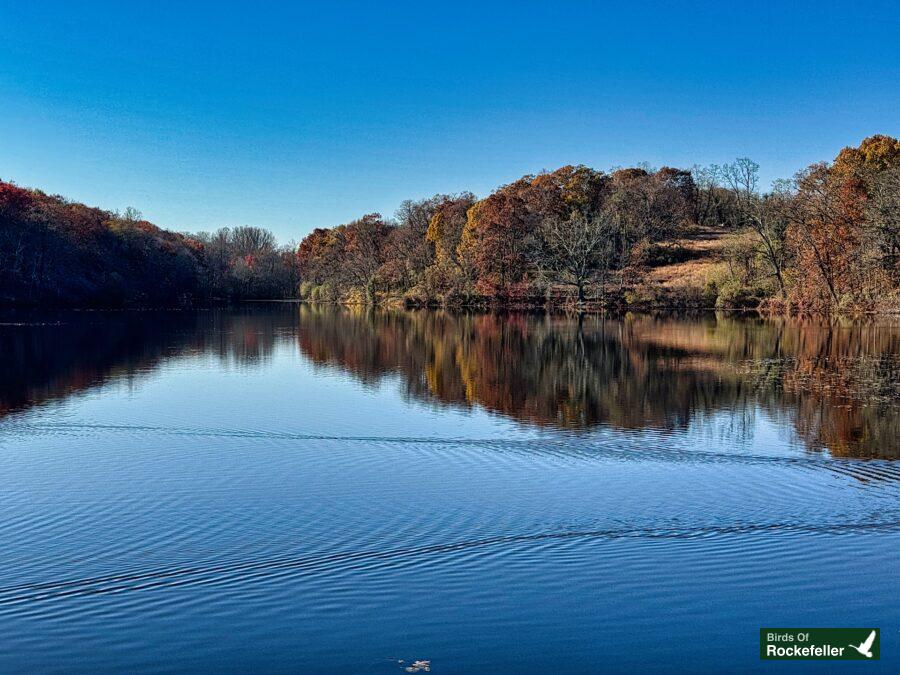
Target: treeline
{"type": "Point", "coordinates": [247, 263]}
{"type": "Point", "coordinates": [53, 251]}
{"type": "Point", "coordinates": [571, 228]}
{"type": "Point", "coordinates": [827, 239]}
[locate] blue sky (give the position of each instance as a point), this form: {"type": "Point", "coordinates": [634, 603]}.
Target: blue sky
{"type": "Point", "coordinates": [294, 116]}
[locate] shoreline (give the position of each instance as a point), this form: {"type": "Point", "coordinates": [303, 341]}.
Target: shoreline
{"type": "Point", "coordinates": [488, 306]}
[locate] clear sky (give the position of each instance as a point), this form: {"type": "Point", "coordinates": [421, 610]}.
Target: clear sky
{"type": "Point", "coordinates": [293, 116]}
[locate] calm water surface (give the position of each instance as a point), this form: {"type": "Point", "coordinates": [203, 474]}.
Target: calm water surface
{"type": "Point", "coordinates": [284, 488]}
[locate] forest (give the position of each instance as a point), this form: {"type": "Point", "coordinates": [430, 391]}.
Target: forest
{"type": "Point", "coordinates": [826, 240]}
{"type": "Point", "coordinates": [54, 252]}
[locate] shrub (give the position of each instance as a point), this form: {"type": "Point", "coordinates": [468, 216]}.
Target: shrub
{"type": "Point", "coordinates": [734, 295]}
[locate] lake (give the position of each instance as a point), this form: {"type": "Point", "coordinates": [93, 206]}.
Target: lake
{"type": "Point", "coordinates": [286, 487]}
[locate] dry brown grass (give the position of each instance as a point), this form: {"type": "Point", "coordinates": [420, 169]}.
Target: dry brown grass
{"type": "Point", "coordinates": [705, 247]}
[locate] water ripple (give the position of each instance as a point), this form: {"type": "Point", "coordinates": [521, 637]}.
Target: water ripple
{"type": "Point", "coordinates": [256, 570]}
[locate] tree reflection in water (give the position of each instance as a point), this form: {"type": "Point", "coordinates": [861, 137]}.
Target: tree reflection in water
{"type": "Point", "coordinates": [838, 383]}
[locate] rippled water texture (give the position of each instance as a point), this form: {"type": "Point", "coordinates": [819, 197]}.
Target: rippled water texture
{"type": "Point", "coordinates": [287, 488]}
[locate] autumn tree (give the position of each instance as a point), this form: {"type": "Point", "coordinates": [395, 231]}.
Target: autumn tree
{"type": "Point", "coordinates": [409, 253]}
{"type": "Point", "coordinates": [446, 226]}
{"type": "Point", "coordinates": [873, 155]}
{"type": "Point", "coordinates": [319, 255]}
{"type": "Point", "coordinates": [449, 274]}
{"type": "Point", "coordinates": [61, 252]}
{"type": "Point", "coordinates": [497, 242]}
{"type": "Point", "coordinates": [506, 235]}
{"type": "Point", "coordinates": [825, 218]}
{"type": "Point", "coordinates": [647, 206]}
{"type": "Point", "coordinates": [364, 252]}
{"type": "Point", "coordinates": [576, 233]}
{"type": "Point", "coordinates": [764, 214]}
{"type": "Point", "coordinates": [870, 171]}
{"type": "Point", "coordinates": [584, 190]}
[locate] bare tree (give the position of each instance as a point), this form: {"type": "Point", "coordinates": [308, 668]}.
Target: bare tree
{"type": "Point", "coordinates": [759, 212]}
{"type": "Point", "coordinates": [252, 241]}
{"type": "Point", "coordinates": [409, 252]}
{"type": "Point", "coordinates": [364, 251]}
{"type": "Point", "coordinates": [132, 215]}
{"type": "Point", "coordinates": [713, 203]}
{"type": "Point", "coordinates": [577, 251]}
{"type": "Point", "coordinates": [883, 215]}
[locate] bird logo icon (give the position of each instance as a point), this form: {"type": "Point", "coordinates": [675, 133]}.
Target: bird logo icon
{"type": "Point", "coordinates": [865, 648]}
